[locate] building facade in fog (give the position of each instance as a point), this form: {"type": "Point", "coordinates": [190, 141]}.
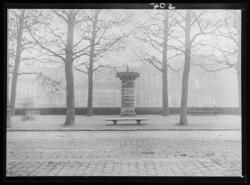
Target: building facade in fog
{"type": "Point", "coordinates": [205, 90]}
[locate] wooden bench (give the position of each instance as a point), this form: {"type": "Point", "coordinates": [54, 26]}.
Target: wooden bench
{"type": "Point", "coordinates": [138, 120]}
{"type": "Point", "coordinates": [29, 113]}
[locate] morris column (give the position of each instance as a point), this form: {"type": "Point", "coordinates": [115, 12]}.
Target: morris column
{"type": "Point", "coordinates": [127, 92]}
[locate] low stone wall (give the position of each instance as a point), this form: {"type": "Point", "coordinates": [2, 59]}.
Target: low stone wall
{"type": "Point", "coordinates": [139, 110]}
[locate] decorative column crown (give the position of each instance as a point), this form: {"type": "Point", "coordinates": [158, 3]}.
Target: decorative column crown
{"type": "Point", "coordinates": [127, 75]}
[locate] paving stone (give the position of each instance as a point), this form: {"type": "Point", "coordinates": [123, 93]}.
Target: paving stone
{"type": "Point", "coordinates": [124, 153]}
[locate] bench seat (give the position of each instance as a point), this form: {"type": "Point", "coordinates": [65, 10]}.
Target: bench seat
{"type": "Point", "coordinates": [137, 119]}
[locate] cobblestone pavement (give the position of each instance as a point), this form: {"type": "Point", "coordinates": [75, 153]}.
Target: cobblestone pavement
{"type": "Point", "coordinates": [124, 153]}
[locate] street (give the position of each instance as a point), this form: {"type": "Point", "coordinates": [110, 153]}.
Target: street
{"type": "Point", "coordinates": [124, 153]}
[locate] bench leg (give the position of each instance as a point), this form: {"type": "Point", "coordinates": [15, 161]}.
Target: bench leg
{"type": "Point", "coordinates": [138, 121]}
{"type": "Point", "coordinates": [115, 122]}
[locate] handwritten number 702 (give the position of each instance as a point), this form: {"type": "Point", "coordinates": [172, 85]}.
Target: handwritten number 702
{"type": "Point", "coordinates": [162, 5]}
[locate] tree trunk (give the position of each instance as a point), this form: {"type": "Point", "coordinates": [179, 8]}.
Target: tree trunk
{"type": "Point", "coordinates": [17, 63]}
{"type": "Point", "coordinates": [184, 95]}
{"type": "Point", "coordinates": [8, 79]}
{"type": "Point", "coordinates": [8, 103]}
{"type": "Point", "coordinates": [90, 92]}
{"type": "Point", "coordinates": [8, 113]}
{"type": "Point", "coordinates": [90, 70]}
{"type": "Point", "coordinates": [165, 108]}
{"type": "Point", "coordinates": [70, 117]}
{"type": "Point", "coordinates": [239, 63]}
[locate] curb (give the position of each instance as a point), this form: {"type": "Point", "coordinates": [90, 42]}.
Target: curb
{"type": "Point", "coordinates": [42, 130]}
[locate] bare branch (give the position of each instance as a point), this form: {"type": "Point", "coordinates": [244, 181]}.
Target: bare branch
{"type": "Point", "coordinates": [43, 47]}
{"type": "Point", "coordinates": [151, 60]}
{"type": "Point", "coordinates": [230, 34]}
{"type": "Point", "coordinates": [180, 41]}
{"type": "Point", "coordinates": [197, 17]}
{"type": "Point", "coordinates": [179, 23]}
{"type": "Point", "coordinates": [103, 33]}
{"type": "Point", "coordinates": [81, 70]}
{"type": "Point", "coordinates": [202, 32]}
{"type": "Point", "coordinates": [225, 57]}
{"type": "Point", "coordinates": [176, 55]}
{"type": "Point", "coordinates": [85, 64]}
{"type": "Point", "coordinates": [152, 41]}
{"type": "Point", "coordinates": [155, 18]}
{"type": "Point", "coordinates": [182, 16]}
{"type": "Point", "coordinates": [108, 46]}
{"type": "Point", "coordinates": [58, 36]}
{"type": "Point", "coordinates": [217, 48]}
{"type": "Point", "coordinates": [82, 54]}
{"type": "Point", "coordinates": [104, 66]}
{"type": "Point", "coordinates": [82, 38]}
{"type": "Point", "coordinates": [45, 61]}
{"type": "Point", "coordinates": [195, 36]}
{"type": "Point", "coordinates": [60, 15]}
{"type": "Point", "coordinates": [82, 50]}
{"type": "Point", "coordinates": [178, 49]}
{"type": "Point", "coordinates": [213, 70]}
{"type": "Point", "coordinates": [175, 70]}
{"type": "Point", "coordinates": [81, 20]}
{"type": "Point", "coordinates": [30, 58]}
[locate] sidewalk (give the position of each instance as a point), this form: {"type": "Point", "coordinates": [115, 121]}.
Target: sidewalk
{"type": "Point", "coordinates": [97, 122]}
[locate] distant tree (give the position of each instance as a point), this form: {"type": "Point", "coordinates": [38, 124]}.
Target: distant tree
{"type": "Point", "coordinates": [158, 34]}
{"type": "Point", "coordinates": [103, 30]}
{"type": "Point", "coordinates": [20, 49]}
{"type": "Point", "coordinates": [223, 57]}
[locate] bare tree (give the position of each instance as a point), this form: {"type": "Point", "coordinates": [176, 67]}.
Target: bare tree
{"type": "Point", "coordinates": [63, 51]}
{"type": "Point", "coordinates": [19, 47]}
{"type": "Point", "coordinates": [99, 30]}
{"type": "Point", "coordinates": [158, 34]}
{"type": "Point", "coordinates": [20, 26]}
{"type": "Point", "coordinates": [192, 19]}
{"type": "Point", "coordinates": [184, 93]}
{"type": "Point", "coordinates": [70, 117]}
{"type": "Point", "coordinates": [225, 57]}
